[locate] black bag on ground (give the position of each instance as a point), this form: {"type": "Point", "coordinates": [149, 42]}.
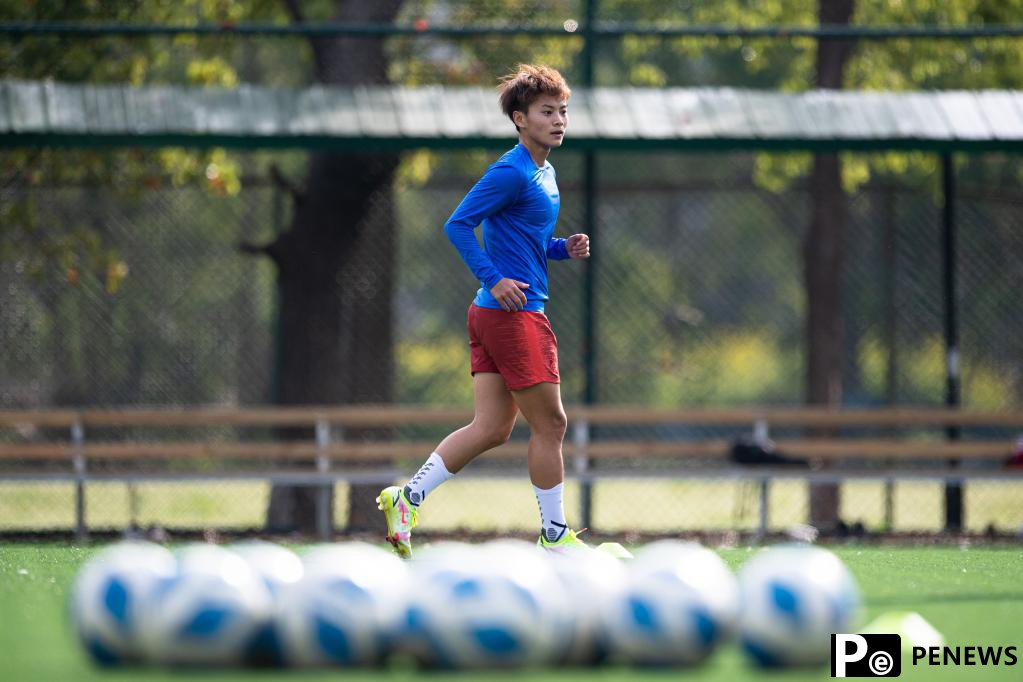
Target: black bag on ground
{"type": "Point", "coordinates": [751, 453]}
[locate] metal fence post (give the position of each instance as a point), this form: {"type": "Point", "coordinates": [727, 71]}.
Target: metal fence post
{"type": "Point", "coordinates": [761, 431]}
{"type": "Point", "coordinates": [133, 507]}
{"type": "Point", "coordinates": [953, 377]}
{"type": "Point", "coordinates": [764, 497]}
{"type": "Point", "coordinates": [581, 464]}
{"type": "Point", "coordinates": [761, 436]}
{"type": "Point", "coordinates": [889, 505]}
{"type": "Point", "coordinates": [590, 349]}
{"type": "Point", "coordinates": [78, 460]}
{"type": "Point", "coordinates": [323, 520]}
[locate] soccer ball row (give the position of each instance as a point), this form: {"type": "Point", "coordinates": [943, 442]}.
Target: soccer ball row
{"type": "Point", "coordinates": [502, 604]}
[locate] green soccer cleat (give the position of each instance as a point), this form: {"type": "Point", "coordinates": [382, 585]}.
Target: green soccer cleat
{"type": "Point", "coordinates": [568, 543]}
{"type": "Point", "coordinates": [616, 550]}
{"type": "Point", "coordinates": [401, 519]}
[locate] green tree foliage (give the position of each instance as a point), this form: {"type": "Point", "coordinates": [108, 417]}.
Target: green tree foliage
{"type": "Point", "coordinates": [75, 248]}
{"type": "Point", "coordinates": [902, 64]}
{"type": "Point", "coordinates": [67, 249]}
{"type": "Point", "coordinates": [84, 269]}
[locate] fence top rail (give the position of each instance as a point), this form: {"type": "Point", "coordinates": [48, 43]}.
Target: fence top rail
{"type": "Point", "coordinates": [608, 28]}
{"type": "Point", "coordinates": [823, 448]}
{"type": "Point", "coordinates": [413, 415]}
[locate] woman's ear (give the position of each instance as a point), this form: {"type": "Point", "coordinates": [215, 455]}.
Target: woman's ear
{"type": "Point", "coordinates": [519, 119]}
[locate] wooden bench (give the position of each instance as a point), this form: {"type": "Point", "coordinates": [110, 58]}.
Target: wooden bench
{"type": "Point", "coordinates": [578, 443]}
{"type": "Point", "coordinates": [878, 443]}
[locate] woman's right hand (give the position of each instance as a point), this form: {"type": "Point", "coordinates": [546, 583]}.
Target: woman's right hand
{"type": "Point", "coordinates": [508, 292]}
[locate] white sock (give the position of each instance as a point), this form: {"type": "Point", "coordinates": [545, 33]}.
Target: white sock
{"type": "Point", "coordinates": [552, 512]}
{"type": "Point", "coordinates": [430, 475]}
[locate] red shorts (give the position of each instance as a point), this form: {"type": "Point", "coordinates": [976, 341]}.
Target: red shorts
{"type": "Point", "coordinates": [520, 346]}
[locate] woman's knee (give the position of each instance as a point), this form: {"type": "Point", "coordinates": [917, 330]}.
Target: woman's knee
{"type": "Point", "coordinates": [495, 434]}
{"type": "Point", "coordinates": [555, 423]}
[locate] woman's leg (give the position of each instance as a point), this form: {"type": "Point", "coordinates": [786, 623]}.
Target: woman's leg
{"type": "Point", "coordinates": [495, 417]}
{"type": "Point", "coordinates": [542, 408]}
{"type": "Point", "coordinates": [491, 426]}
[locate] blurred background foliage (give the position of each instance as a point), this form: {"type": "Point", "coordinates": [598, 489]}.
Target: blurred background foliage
{"type": "Point", "coordinates": [122, 281]}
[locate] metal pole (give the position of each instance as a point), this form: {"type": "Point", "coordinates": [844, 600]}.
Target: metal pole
{"type": "Point", "coordinates": [323, 520]}
{"type": "Point", "coordinates": [762, 436]}
{"type": "Point", "coordinates": [133, 508]}
{"type": "Point", "coordinates": [581, 466]}
{"type": "Point", "coordinates": [889, 505]}
{"type": "Point", "coordinates": [278, 323]}
{"type": "Point", "coordinates": [765, 501]}
{"type": "Point", "coordinates": [589, 274]}
{"type": "Point", "coordinates": [890, 333]}
{"type": "Point", "coordinates": [590, 342]}
{"type": "Point", "coordinates": [78, 459]}
{"type": "Point", "coordinates": [953, 489]}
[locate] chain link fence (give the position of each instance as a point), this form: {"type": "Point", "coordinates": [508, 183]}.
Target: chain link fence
{"type": "Point", "coordinates": [699, 294]}
{"type": "Point", "coordinates": [122, 282]}
{"type": "Point", "coordinates": [699, 303]}
{"type": "Point", "coordinates": [621, 506]}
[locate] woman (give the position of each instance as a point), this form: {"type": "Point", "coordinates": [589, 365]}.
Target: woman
{"type": "Point", "coordinates": [514, 355]}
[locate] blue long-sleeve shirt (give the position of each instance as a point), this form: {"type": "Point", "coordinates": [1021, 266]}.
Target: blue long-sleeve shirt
{"type": "Point", "coordinates": [517, 204]}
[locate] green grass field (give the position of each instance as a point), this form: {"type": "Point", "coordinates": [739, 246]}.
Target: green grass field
{"type": "Point", "coordinates": [973, 596]}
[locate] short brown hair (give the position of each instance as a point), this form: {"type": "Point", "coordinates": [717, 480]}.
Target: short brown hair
{"type": "Point", "coordinates": [523, 86]}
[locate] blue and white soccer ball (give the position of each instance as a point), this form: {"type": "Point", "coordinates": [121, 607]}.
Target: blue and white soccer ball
{"type": "Point", "coordinates": [533, 569]}
{"type": "Point", "coordinates": [680, 601]}
{"type": "Point", "coordinates": [414, 635]}
{"type": "Point", "coordinates": [110, 598]}
{"type": "Point", "coordinates": [592, 581]}
{"type": "Point", "coordinates": [793, 598]}
{"type": "Point", "coordinates": [209, 614]}
{"type": "Point", "coordinates": [280, 570]}
{"type": "Point", "coordinates": [490, 607]}
{"type": "Point", "coordinates": [278, 567]}
{"type": "Point", "coordinates": [345, 609]}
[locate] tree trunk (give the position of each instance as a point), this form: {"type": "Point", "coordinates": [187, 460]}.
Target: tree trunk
{"type": "Point", "coordinates": [824, 262]}
{"type": "Point", "coordinates": [335, 268]}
